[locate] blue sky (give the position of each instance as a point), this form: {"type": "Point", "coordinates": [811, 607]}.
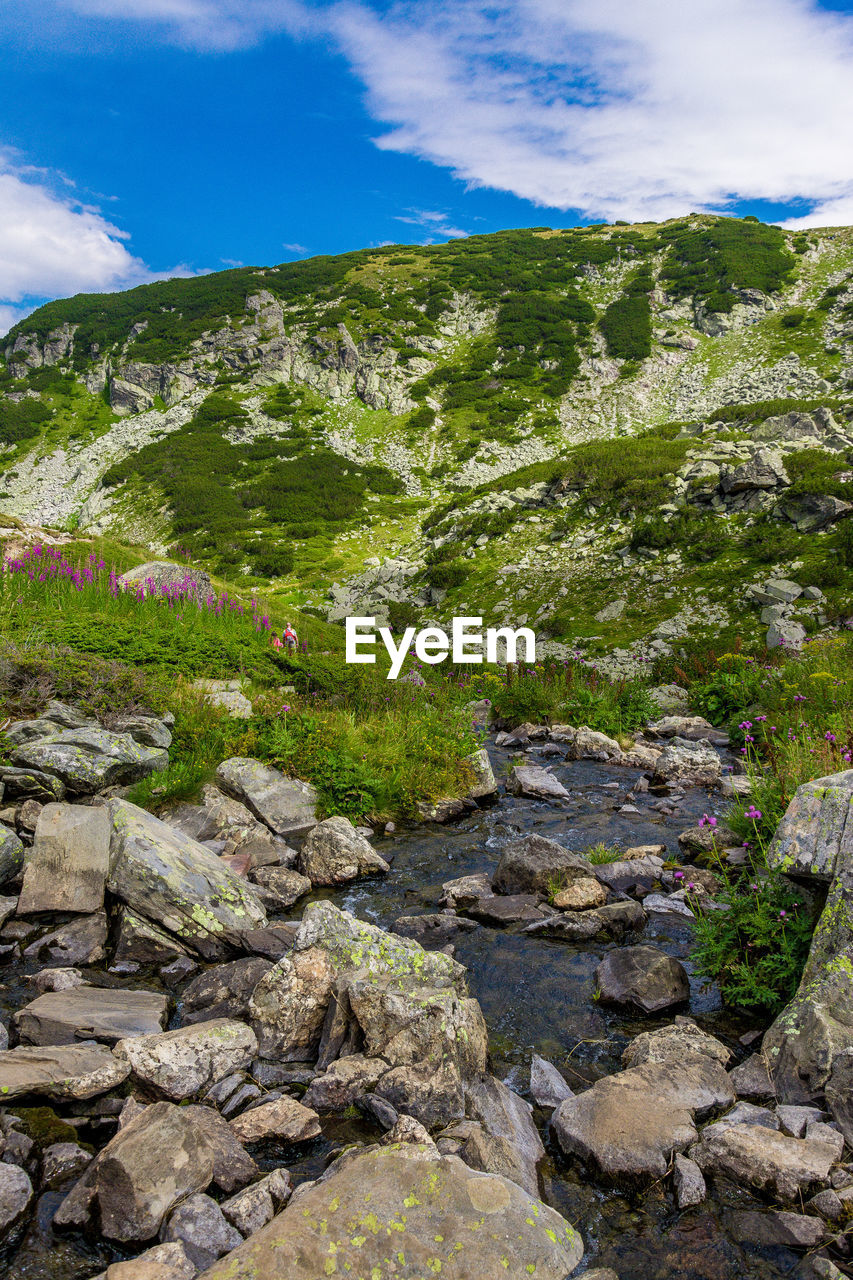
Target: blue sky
{"type": "Point", "coordinates": [145, 137]}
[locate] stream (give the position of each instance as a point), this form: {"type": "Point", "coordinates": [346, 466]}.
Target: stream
{"type": "Point", "coordinates": [537, 997]}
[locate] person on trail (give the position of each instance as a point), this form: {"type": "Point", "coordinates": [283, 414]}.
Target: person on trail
{"type": "Point", "coordinates": [290, 639]}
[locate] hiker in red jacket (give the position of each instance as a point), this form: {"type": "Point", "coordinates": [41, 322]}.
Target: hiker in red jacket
{"type": "Point", "coordinates": [290, 639]}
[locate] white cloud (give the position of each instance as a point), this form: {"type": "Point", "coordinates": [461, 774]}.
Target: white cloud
{"type": "Point", "coordinates": [295, 248]}
{"type": "Point", "coordinates": [437, 224]}
{"type": "Point", "coordinates": [51, 246]}
{"type": "Point", "coordinates": [616, 109]}
{"type": "Point", "coordinates": [611, 108]}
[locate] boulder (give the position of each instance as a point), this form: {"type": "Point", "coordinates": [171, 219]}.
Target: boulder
{"type": "Point", "coordinates": [777, 1228]}
{"type": "Point", "coordinates": [765, 1159]}
{"type": "Point", "coordinates": [154, 1162]}
{"type": "Point", "coordinates": [690, 1188]}
{"type": "Point", "coordinates": [139, 942]}
{"type": "Point", "coordinates": [670, 699]}
{"type": "Point", "coordinates": [679, 1042]}
{"type": "Point", "coordinates": [764, 470]}
{"type": "Point", "coordinates": [168, 576]}
{"type": "Point", "coordinates": [815, 836]}
{"type": "Point", "coordinates": [254, 1206]}
{"type": "Point", "coordinates": [180, 1064]}
{"type": "Point", "coordinates": [485, 785]}
{"type": "Point", "coordinates": [201, 1227]}
{"type": "Point", "coordinates": [233, 1167]}
{"type": "Point", "coordinates": [89, 760]}
{"type": "Point", "coordinates": [580, 895]}
{"type": "Point", "coordinates": [90, 1013]}
{"type": "Point", "coordinates": [284, 1119]}
{"type": "Point", "coordinates": [512, 1135]}
{"type": "Point", "coordinates": [839, 1094]}
{"type": "Point", "coordinates": [643, 978]}
{"type": "Point", "coordinates": [68, 1071]}
{"type": "Point", "coordinates": [589, 744]}
{"type": "Point", "coordinates": [534, 864]}
{"type": "Point", "coordinates": [630, 1125]}
{"type": "Point", "coordinates": [11, 854]}
{"type": "Point", "coordinates": [813, 511]}
{"type": "Point", "coordinates": [62, 1161]}
{"type": "Point", "coordinates": [148, 730]}
{"type": "Point", "coordinates": [537, 783]}
{"type": "Point", "coordinates": [613, 920]}
{"type": "Point", "coordinates": [694, 764]}
{"type": "Point", "coordinates": [751, 1080]}
{"type": "Point", "coordinates": [68, 864]}
{"type": "Point", "coordinates": [173, 880]}
{"type": "Point", "coordinates": [333, 853]}
{"type": "Point", "coordinates": [344, 1082]}
{"type": "Point", "coordinates": [428, 1204]}
{"type": "Point", "coordinates": [692, 728]}
{"type": "Point", "coordinates": [285, 805]}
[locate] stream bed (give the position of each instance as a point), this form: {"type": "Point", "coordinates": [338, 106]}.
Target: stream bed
{"type": "Point", "coordinates": [537, 997]}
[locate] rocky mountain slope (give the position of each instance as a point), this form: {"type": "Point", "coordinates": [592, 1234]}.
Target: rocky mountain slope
{"type": "Point", "coordinates": [625, 435]}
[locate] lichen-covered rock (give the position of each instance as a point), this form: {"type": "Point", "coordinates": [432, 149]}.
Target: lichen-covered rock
{"type": "Point", "coordinates": [431, 1212]}
{"type": "Point", "coordinates": [282, 887]}
{"type": "Point", "coordinates": [89, 760]}
{"type": "Point", "coordinates": [158, 1159]}
{"type": "Point", "coordinates": [139, 942]}
{"type": "Point", "coordinates": [695, 764]}
{"type": "Point", "coordinates": [286, 805]}
{"type": "Point", "coordinates": [181, 1063]}
{"type": "Point", "coordinates": [333, 853]}
{"type": "Point", "coordinates": [173, 880]}
{"type": "Point", "coordinates": [762, 1158]}
{"type": "Point", "coordinates": [815, 836]}
{"type": "Point", "coordinates": [64, 1071]}
{"type": "Point", "coordinates": [11, 854]}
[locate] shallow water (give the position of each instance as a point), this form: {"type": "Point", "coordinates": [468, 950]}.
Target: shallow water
{"type": "Point", "coordinates": [536, 996]}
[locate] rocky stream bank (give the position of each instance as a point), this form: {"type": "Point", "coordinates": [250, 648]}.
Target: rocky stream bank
{"type": "Point", "coordinates": [248, 1043]}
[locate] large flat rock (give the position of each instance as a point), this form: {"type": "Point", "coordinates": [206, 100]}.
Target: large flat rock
{"type": "Point", "coordinates": [90, 1013]}
{"type": "Point", "coordinates": [65, 1071]}
{"type": "Point", "coordinates": [68, 864]}
{"type": "Point", "coordinates": [171, 879]}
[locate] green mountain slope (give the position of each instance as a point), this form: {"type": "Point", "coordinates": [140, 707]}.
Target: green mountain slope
{"type": "Point", "coordinates": [536, 424]}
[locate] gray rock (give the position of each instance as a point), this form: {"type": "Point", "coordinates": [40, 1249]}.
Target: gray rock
{"type": "Point", "coordinates": [16, 1192]}
{"type": "Point", "coordinates": [512, 1135]}
{"type": "Point", "coordinates": [90, 760]}
{"type": "Point", "coordinates": [11, 854]}
{"type": "Point", "coordinates": [613, 920]}
{"type": "Point", "coordinates": [815, 836]}
{"type": "Point", "coordinates": [162, 574]}
{"type": "Point", "coordinates": [547, 1086]}
{"type": "Point", "coordinates": [90, 1013]}
{"type": "Point", "coordinates": [764, 470]}
{"type": "Point", "coordinates": [485, 785]}
{"type": "Point", "coordinates": [443, 1198]}
{"type": "Point", "coordinates": [30, 784]}
{"type": "Point", "coordinates": [432, 931]}
{"type": "Point", "coordinates": [810, 512]}
{"type": "Point", "coordinates": [254, 1206]}
{"type": "Point", "coordinates": [181, 1063]}
{"type": "Point", "coordinates": [689, 1183]}
{"type": "Point", "coordinates": [282, 886]}
{"type": "Point", "coordinates": [777, 1227]}
{"type": "Point", "coordinates": [630, 1124]}
{"type": "Point", "coordinates": [162, 1262]}
{"type": "Point", "coordinates": [145, 729]}
{"type": "Point", "coordinates": [534, 864]}
{"type": "Point", "coordinates": [154, 1162]}
{"type": "Point", "coordinates": [793, 1120]}
{"type": "Point", "coordinates": [764, 1159]}
{"type": "Point", "coordinates": [233, 1167]}
{"type": "Point", "coordinates": [286, 805]}
{"type": "Point", "coordinates": [670, 699]}
{"type": "Point", "coordinates": [140, 942]}
{"type": "Point", "coordinates": [839, 1093]}
{"type": "Point", "coordinates": [62, 1161]}
{"type": "Point", "coordinates": [68, 865]}
{"type": "Point", "coordinates": [679, 1042]}
{"type": "Point", "coordinates": [534, 781]}
{"type": "Point", "coordinates": [334, 853]}
{"type": "Point", "coordinates": [201, 1227]}
{"type": "Point", "coordinates": [223, 991]}
{"type": "Point", "coordinates": [79, 942]}
{"type": "Point", "coordinates": [284, 1119]}
{"type": "Point", "coordinates": [751, 1080]}
{"type": "Point", "coordinates": [785, 634]}
{"type": "Point", "coordinates": [66, 1071]}
{"type": "Point", "coordinates": [642, 977]}
{"type": "Point", "coordinates": [173, 880]}
{"type": "Point", "coordinates": [691, 763]}
{"type": "Point", "coordinates": [344, 1082]}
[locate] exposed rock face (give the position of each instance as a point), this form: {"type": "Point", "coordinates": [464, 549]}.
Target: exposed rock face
{"type": "Point", "coordinates": [165, 574]}
{"type": "Point", "coordinates": [69, 863]}
{"type": "Point", "coordinates": [286, 805]}
{"type": "Point", "coordinates": [181, 1063]}
{"type": "Point", "coordinates": [693, 763]}
{"type": "Point", "coordinates": [360, 1198]}
{"type": "Point", "coordinates": [151, 1164]}
{"type": "Point", "coordinates": [815, 839]}
{"type": "Point", "coordinates": [333, 852]}
{"type": "Point", "coordinates": [173, 880]}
